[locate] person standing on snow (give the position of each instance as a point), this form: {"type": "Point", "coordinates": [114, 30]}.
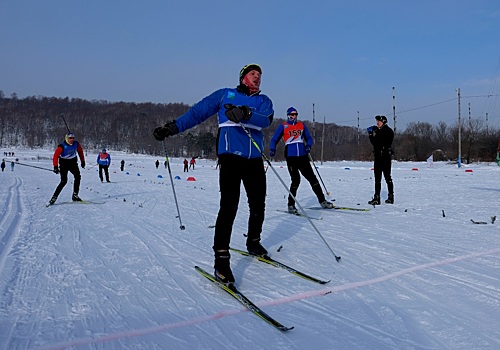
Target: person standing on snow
{"type": "Point", "coordinates": [381, 137]}
{"type": "Point", "coordinates": [65, 160]}
{"type": "Point", "coordinates": [239, 110]}
{"type": "Point", "coordinates": [122, 164]}
{"type": "Point", "coordinates": [186, 166]}
{"type": "Point", "coordinates": [192, 162]}
{"type": "Point", "coordinates": [3, 164]}
{"type": "Point", "coordinates": [157, 163]}
{"type": "Point", "coordinates": [298, 143]}
{"type": "Point", "coordinates": [104, 161]}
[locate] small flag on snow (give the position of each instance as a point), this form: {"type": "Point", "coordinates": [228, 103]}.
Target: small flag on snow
{"type": "Point", "coordinates": [430, 161]}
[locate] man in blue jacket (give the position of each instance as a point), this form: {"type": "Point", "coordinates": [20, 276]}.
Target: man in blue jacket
{"type": "Point", "coordinates": [242, 112]}
{"type": "Point", "coordinates": [104, 161]}
{"type": "Point", "coordinates": [298, 143]}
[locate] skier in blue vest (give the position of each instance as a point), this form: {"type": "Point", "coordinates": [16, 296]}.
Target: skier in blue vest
{"type": "Point", "coordinates": [298, 143]}
{"type": "Point", "coordinates": [104, 161]}
{"type": "Point", "coordinates": [64, 161]}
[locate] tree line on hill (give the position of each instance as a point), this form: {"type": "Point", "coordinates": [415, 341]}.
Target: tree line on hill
{"type": "Point", "coordinates": [36, 122]}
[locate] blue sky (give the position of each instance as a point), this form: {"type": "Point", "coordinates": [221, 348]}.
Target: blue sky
{"type": "Point", "coordinates": [341, 56]}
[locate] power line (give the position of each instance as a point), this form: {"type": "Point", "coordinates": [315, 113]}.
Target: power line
{"type": "Point", "coordinates": [433, 104]}
{"type": "Point", "coordinates": [422, 107]}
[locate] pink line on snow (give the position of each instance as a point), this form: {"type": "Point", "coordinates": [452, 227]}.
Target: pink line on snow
{"type": "Point", "coordinates": [295, 297]}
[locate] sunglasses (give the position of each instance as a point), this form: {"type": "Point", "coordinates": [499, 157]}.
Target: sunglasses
{"type": "Point", "coordinates": [294, 114]}
{"type": "Point", "coordinates": [71, 138]}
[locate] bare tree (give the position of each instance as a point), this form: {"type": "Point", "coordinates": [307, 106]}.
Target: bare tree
{"type": "Point", "coordinates": [36, 121]}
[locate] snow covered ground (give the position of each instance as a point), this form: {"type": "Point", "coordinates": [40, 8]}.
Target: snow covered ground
{"type": "Point", "coordinates": [418, 274]}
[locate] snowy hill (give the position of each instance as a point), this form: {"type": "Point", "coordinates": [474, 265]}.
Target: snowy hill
{"type": "Point", "coordinates": [418, 274]}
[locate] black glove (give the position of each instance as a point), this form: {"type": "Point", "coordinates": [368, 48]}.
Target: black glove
{"type": "Point", "coordinates": [167, 130]}
{"type": "Point", "coordinates": [83, 165]}
{"type": "Point", "coordinates": [237, 113]}
{"type": "Point", "coordinates": [56, 170]}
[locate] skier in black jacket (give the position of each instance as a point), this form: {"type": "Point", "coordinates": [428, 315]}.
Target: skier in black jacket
{"type": "Point", "coordinates": [381, 137]}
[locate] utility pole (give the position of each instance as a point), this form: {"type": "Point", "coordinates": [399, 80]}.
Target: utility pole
{"type": "Point", "coordinates": [394, 108]}
{"type": "Point", "coordinates": [323, 139]}
{"type": "Point", "coordinates": [470, 120]}
{"type": "Point", "coordinates": [487, 131]}
{"type": "Point", "coordinates": [459, 160]}
{"type": "Point", "coordinates": [314, 127]}
{"type": "Point", "coordinates": [358, 152]}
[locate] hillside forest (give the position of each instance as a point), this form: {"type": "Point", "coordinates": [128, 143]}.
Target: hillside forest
{"type": "Point", "coordinates": [42, 122]}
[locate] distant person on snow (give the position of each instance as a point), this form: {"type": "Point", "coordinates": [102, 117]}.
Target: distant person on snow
{"type": "Point", "coordinates": [122, 165]}
{"type": "Point", "coordinates": [157, 163]}
{"type": "Point", "coordinates": [192, 162]}
{"type": "Point", "coordinates": [12, 165]}
{"type": "Point", "coordinates": [241, 111]}
{"type": "Point", "coordinates": [104, 161]}
{"type": "Point", "coordinates": [186, 166]}
{"type": "Point", "coordinates": [65, 160]}
{"type": "Point", "coordinates": [3, 164]}
{"type": "Point", "coordinates": [298, 143]}
{"type": "Point", "coordinates": [381, 137]}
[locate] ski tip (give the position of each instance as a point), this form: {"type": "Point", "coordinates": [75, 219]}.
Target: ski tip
{"type": "Point", "coordinates": [338, 258]}
{"type": "Point", "coordinates": [285, 329]}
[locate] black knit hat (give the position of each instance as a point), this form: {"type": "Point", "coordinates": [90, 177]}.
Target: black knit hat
{"type": "Point", "coordinates": [248, 68]}
{"type": "Point", "coordinates": [381, 118]}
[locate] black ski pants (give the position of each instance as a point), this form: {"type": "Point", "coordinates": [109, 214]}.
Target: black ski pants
{"type": "Point", "coordinates": [65, 166]}
{"type": "Point", "coordinates": [301, 165]}
{"type": "Point", "coordinates": [106, 172]}
{"type": "Point", "coordinates": [382, 165]}
{"type": "Point", "coordinates": [233, 171]}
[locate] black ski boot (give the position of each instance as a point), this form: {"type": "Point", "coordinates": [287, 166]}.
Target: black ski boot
{"type": "Point", "coordinates": [375, 200]}
{"type": "Point", "coordinates": [222, 270]}
{"type": "Point", "coordinates": [326, 205]}
{"type": "Point", "coordinates": [255, 248]}
{"type": "Point", "coordinates": [75, 198]}
{"type": "Point", "coordinates": [390, 199]}
{"type": "Point", "coordinates": [52, 200]}
{"type": "Point", "coordinates": [292, 209]}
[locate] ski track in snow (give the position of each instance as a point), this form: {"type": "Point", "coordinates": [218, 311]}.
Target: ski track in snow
{"type": "Point", "coordinates": [121, 275]}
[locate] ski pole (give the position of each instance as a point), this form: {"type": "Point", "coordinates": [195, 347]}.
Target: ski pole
{"type": "Point", "coordinates": [182, 227]}
{"type": "Point", "coordinates": [64, 119]}
{"type": "Point", "coordinates": [34, 166]}
{"type": "Point", "coordinates": [337, 258]}
{"type": "Point", "coordinates": [317, 172]}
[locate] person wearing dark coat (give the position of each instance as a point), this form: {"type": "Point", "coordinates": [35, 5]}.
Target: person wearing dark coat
{"type": "Point", "coordinates": [381, 137]}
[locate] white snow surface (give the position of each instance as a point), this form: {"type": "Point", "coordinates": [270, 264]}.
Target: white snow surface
{"type": "Point", "coordinates": [418, 274]}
